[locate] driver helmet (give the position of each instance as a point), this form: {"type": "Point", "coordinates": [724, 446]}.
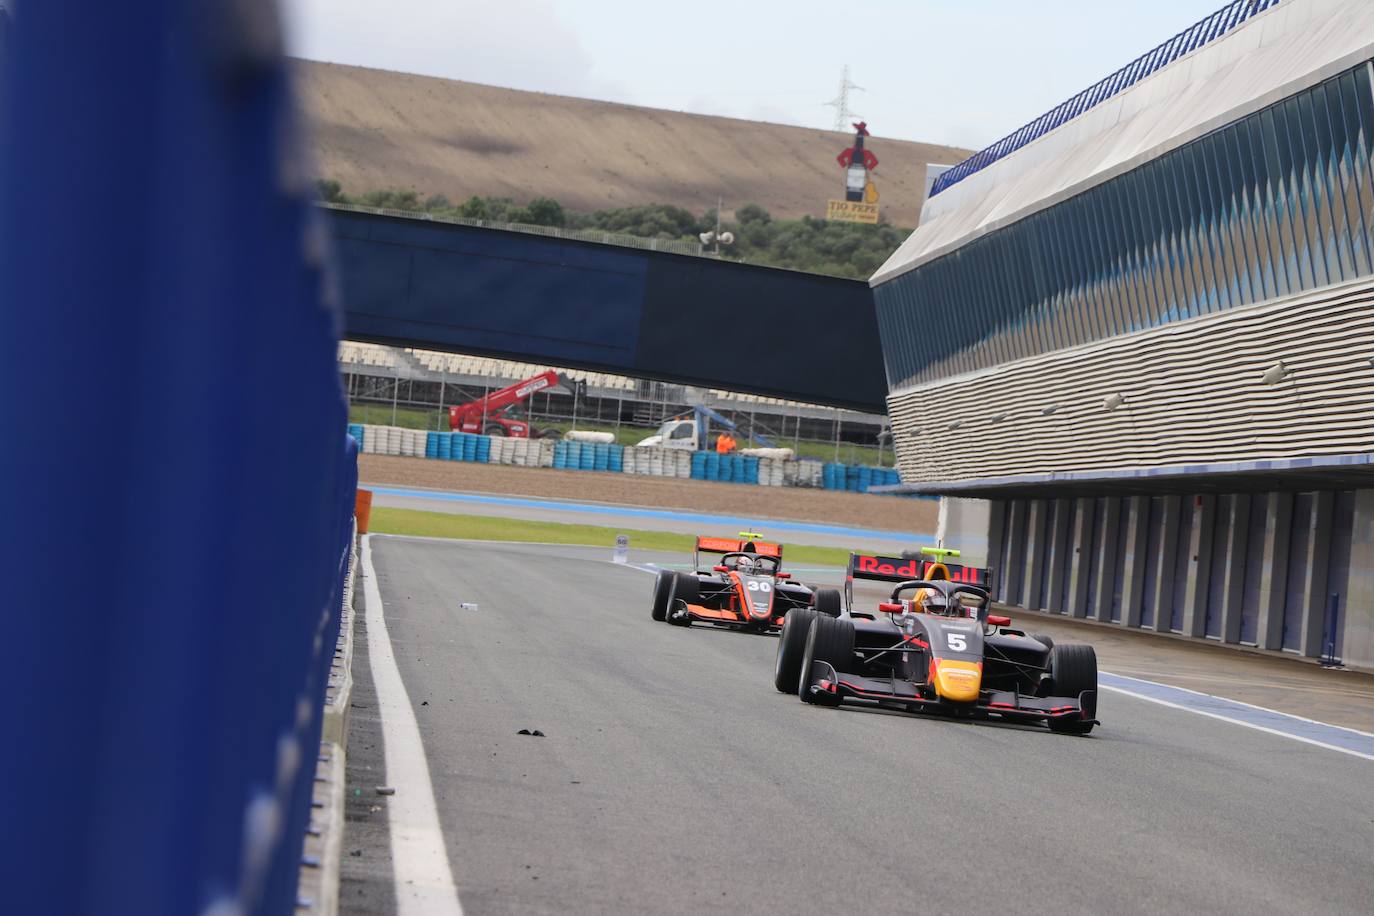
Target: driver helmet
{"type": "Point", "coordinates": [744, 563]}
{"type": "Point", "coordinates": [935, 601]}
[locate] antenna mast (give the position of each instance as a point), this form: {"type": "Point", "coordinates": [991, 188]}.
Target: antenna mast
{"type": "Point", "coordinates": [843, 113]}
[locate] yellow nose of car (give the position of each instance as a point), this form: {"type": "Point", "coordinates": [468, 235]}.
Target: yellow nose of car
{"type": "Point", "coordinates": [958, 681]}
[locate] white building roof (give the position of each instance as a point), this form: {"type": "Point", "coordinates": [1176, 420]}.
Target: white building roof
{"type": "Point", "coordinates": [1282, 51]}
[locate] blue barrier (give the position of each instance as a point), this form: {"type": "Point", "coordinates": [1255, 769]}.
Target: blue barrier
{"type": "Point", "coordinates": [445, 451]}
{"type": "Point", "coordinates": [751, 469]}
{"type": "Point", "coordinates": [481, 451]}
{"type": "Point", "coordinates": [171, 692]}
{"type": "Point", "coordinates": [712, 466]}
{"type": "Point", "coordinates": [357, 431]}
{"type": "Point", "coordinates": [699, 465]}
{"type": "Point", "coordinates": [470, 446]}
{"type": "Point", "coordinates": [616, 459]}
{"type": "Point", "coordinates": [431, 445]}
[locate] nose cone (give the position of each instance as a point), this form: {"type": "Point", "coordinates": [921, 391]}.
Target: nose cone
{"type": "Point", "coordinates": [958, 681]}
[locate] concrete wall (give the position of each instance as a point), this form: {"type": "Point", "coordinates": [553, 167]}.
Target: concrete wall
{"type": "Point", "coordinates": [963, 524]}
{"type": "Point", "coordinates": [1256, 569]}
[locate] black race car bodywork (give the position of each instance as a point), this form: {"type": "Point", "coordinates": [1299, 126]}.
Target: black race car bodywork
{"type": "Point", "coordinates": [746, 589]}
{"type": "Point", "coordinates": [933, 647]}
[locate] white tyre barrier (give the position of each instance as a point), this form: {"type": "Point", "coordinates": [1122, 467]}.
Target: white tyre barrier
{"type": "Point", "coordinates": [786, 454]}
{"type": "Point", "coordinates": [579, 435]}
{"type": "Point", "coordinates": [393, 441]}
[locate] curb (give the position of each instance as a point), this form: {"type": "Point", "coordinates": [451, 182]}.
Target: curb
{"type": "Point", "coordinates": [317, 888]}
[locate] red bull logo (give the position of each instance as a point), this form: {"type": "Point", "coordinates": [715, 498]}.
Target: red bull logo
{"type": "Point", "coordinates": [915, 568]}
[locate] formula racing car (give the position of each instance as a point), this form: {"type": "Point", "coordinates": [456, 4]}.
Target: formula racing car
{"type": "Point", "coordinates": [745, 589]}
{"type": "Point", "coordinates": [932, 647]}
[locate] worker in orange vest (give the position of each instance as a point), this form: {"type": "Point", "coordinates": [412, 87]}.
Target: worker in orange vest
{"type": "Point", "coordinates": [725, 444]}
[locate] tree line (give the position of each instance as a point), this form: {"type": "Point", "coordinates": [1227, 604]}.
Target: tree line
{"type": "Point", "coordinates": [815, 245]}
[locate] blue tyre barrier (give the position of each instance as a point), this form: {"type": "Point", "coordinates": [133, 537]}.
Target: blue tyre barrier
{"type": "Point", "coordinates": [357, 432]}
{"type": "Point", "coordinates": [587, 456]}
{"type": "Point", "coordinates": [469, 446]}
{"type": "Point", "coordinates": [482, 452]}
{"type": "Point", "coordinates": [560, 455]}
{"type": "Point", "coordinates": [699, 465]}
{"type": "Point", "coordinates": [751, 469]}
{"type": "Point", "coordinates": [431, 445]}
{"type": "Point", "coordinates": [615, 459]}
{"type": "Point", "coordinates": [712, 466]}
{"type": "Point", "coordinates": [445, 449]}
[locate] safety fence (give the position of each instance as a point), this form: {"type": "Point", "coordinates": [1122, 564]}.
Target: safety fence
{"type": "Point", "coordinates": [620, 459]}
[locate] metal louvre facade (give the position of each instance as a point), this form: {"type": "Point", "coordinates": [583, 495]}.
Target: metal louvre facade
{"type": "Point", "coordinates": [1274, 204]}
{"type": "Point", "coordinates": [1191, 394]}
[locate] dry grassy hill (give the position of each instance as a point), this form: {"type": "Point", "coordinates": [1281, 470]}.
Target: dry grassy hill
{"type": "Point", "coordinates": [378, 129]}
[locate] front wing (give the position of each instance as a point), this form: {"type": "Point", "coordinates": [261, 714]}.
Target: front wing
{"type": "Point", "coordinates": [834, 688]}
{"type": "Point", "coordinates": [726, 617]}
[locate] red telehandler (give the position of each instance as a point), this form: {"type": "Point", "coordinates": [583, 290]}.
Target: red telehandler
{"type": "Point", "coordinates": [499, 413]}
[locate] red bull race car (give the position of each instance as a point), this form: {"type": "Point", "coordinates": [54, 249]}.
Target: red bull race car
{"type": "Point", "coordinates": [744, 589]}
{"type": "Point", "coordinates": [932, 647]}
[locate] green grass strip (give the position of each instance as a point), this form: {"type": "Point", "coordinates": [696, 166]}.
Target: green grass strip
{"type": "Point", "coordinates": [497, 528]}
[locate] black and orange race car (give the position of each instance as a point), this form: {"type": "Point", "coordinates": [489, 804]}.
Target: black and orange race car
{"type": "Point", "coordinates": [746, 588]}
{"type": "Point", "coordinates": [933, 647]}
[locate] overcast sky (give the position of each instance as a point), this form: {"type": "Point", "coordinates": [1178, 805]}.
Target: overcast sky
{"type": "Point", "coordinates": [961, 72]}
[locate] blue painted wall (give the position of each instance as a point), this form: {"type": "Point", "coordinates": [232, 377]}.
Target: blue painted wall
{"type": "Point", "coordinates": [172, 553]}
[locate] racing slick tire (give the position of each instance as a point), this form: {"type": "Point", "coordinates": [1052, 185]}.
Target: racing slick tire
{"type": "Point", "coordinates": [796, 626]}
{"type": "Point", "coordinates": [1041, 638]}
{"type": "Point", "coordinates": [827, 601]}
{"type": "Point", "coordinates": [1074, 670]}
{"type": "Point", "coordinates": [830, 640]}
{"type": "Point", "coordinates": [663, 590]}
{"type": "Point", "coordinates": [686, 589]}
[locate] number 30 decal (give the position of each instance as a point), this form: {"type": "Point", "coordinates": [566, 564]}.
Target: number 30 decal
{"type": "Point", "coordinates": [957, 642]}
{"type": "Point", "coordinates": [756, 585]}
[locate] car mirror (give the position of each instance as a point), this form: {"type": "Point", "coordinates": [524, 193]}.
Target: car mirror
{"type": "Point", "coordinates": [890, 607]}
{"type": "Point", "coordinates": [720, 568]}
{"type": "Point", "coordinates": [782, 575]}
{"type": "Point", "coordinates": [999, 621]}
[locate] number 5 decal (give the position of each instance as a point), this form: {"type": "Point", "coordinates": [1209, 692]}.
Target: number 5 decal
{"type": "Point", "coordinates": [956, 641]}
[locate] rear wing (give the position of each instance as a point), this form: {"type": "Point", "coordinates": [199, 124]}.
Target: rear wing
{"type": "Point", "coordinates": [902, 569]}
{"type": "Point", "coordinates": [731, 545]}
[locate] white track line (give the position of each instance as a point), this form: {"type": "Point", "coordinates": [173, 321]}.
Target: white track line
{"type": "Point", "coordinates": [1241, 722]}
{"type": "Point", "coordinates": [419, 859]}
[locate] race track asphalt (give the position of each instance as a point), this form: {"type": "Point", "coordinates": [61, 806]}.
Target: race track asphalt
{"type": "Point", "coordinates": [673, 778]}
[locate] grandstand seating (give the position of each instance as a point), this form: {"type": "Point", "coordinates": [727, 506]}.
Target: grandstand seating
{"type": "Point", "coordinates": [353, 355]}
